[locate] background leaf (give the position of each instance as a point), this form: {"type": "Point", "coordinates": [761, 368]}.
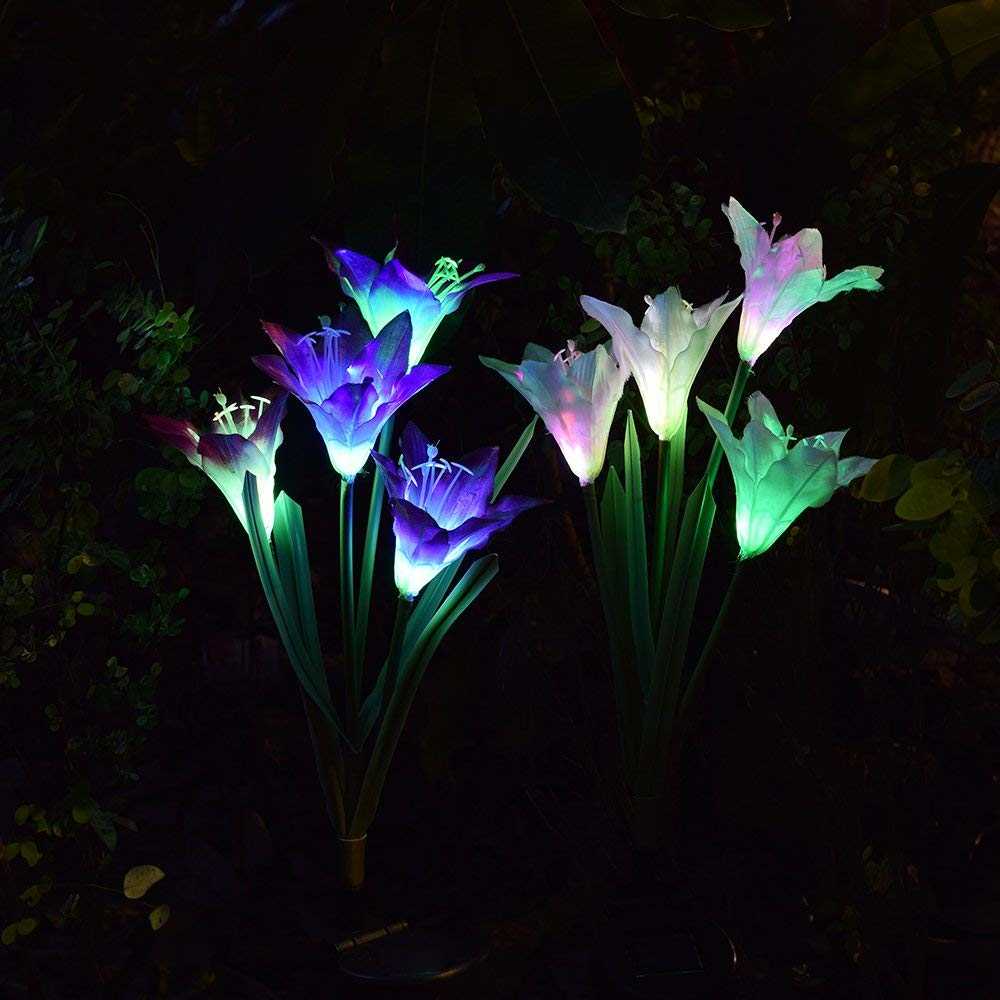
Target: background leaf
{"type": "Point", "coordinates": [139, 880]}
{"type": "Point", "coordinates": [931, 53]}
{"type": "Point", "coordinates": [726, 15]}
{"type": "Point", "coordinates": [555, 107]}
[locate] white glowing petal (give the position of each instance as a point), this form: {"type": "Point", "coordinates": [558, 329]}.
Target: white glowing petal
{"type": "Point", "coordinates": [412, 577]}
{"type": "Point", "coordinates": [348, 460]}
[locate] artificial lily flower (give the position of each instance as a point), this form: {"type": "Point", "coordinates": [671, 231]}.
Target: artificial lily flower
{"type": "Point", "coordinates": [783, 278]}
{"type": "Point", "coordinates": [350, 382]}
{"type": "Point", "coordinates": [383, 291]}
{"type": "Point", "coordinates": [665, 353]}
{"type": "Point", "coordinates": [576, 395]}
{"type": "Point", "coordinates": [775, 483]}
{"type": "Point", "coordinates": [245, 442]}
{"type": "Point", "coordinates": [441, 509]}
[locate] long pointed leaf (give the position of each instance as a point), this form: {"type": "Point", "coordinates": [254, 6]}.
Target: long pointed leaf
{"type": "Point", "coordinates": [636, 559]}
{"type": "Point", "coordinates": [628, 689]}
{"type": "Point", "coordinates": [293, 562]}
{"type": "Point", "coordinates": [427, 605]}
{"type": "Point", "coordinates": [478, 575]}
{"type": "Point", "coordinates": [310, 673]}
{"type": "Point", "coordinates": [510, 462]}
{"type": "Point", "coordinates": [368, 553]}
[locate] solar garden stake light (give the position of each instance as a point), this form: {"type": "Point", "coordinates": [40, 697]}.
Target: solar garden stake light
{"type": "Point", "coordinates": [648, 591]}
{"type": "Point", "coordinates": [352, 378]}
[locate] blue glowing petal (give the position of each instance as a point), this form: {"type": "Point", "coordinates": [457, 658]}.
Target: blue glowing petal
{"type": "Point", "coordinates": [459, 494]}
{"type": "Point", "coordinates": [355, 270]}
{"type": "Point", "coordinates": [385, 358]}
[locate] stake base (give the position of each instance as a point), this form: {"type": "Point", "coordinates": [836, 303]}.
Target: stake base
{"type": "Point", "coordinates": [415, 956]}
{"type": "Point", "coordinates": [352, 862]}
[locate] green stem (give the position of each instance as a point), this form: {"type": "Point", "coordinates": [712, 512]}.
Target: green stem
{"type": "Point", "coordinates": [670, 477]}
{"type": "Point", "coordinates": [389, 731]}
{"type": "Point", "coordinates": [697, 680]}
{"type": "Point", "coordinates": [678, 608]}
{"type": "Point", "coordinates": [368, 553]}
{"type": "Point", "coordinates": [329, 764]}
{"type": "Point", "coordinates": [596, 539]}
{"type": "Point", "coordinates": [732, 405]}
{"type": "Point", "coordinates": [347, 605]}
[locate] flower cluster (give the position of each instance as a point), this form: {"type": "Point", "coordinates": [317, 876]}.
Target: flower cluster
{"type": "Point", "coordinates": [576, 393]}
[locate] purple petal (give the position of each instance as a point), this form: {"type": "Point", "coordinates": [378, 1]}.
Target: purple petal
{"type": "Point", "coordinates": [451, 301]}
{"type": "Point", "coordinates": [395, 478]}
{"type": "Point", "coordinates": [349, 407]}
{"type": "Point", "coordinates": [278, 371]}
{"type": "Point", "coordinates": [396, 289]}
{"type": "Point", "coordinates": [405, 389]}
{"type": "Point", "coordinates": [179, 434]}
{"type": "Point", "coordinates": [460, 494]}
{"type": "Point", "coordinates": [355, 270]}
{"type": "Point", "coordinates": [385, 359]}
{"type": "Point", "coordinates": [267, 434]}
{"type": "Point", "coordinates": [413, 444]}
{"type": "Point", "coordinates": [418, 534]}
{"type": "Point", "coordinates": [232, 455]}
{"type": "Point", "coordinates": [511, 506]}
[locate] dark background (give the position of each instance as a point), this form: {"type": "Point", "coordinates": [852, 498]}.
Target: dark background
{"type": "Point", "coordinates": [164, 165]}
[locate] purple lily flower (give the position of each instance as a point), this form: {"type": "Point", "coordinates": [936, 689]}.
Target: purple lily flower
{"type": "Point", "coordinates": [441, 509]}
{"type": "Point", "coordinates": [383, 291]}
{"type": "Point", "coordinates": [350, 382]}
{"type": "Point", "coordinates": [783, 278]}
{"type": "Point", "coordinates": [244, 443]}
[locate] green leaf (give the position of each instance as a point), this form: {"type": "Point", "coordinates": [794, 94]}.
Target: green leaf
{"type": "Point", "coordinates": [472, 584]}
{"type": "Point", "coordinates": [159, 916]}
{"type": "Point", "coordinates": [140, 879]}
{"type": "Point", "coordinates": [427, 605]}
{"type": "Point", "coordinates": [311, 674]}
{"type": "Point", "coordinates": [887, 478]}
{"type": "Point", "coordinates": [293, 561]}
{"type": "Point", "coordinates": [30, 853]}
{"type": "Point", "coordinates": [511, 461]}
{"type": "Point", "coordinates": [726, 15]}
{"type": "Point", "coordinates": [26, 925]}
{"type": "Point", "coordinates": [547, 85]}
{"type": "Point", "coordinates": [931, 53]}
{"type": "Point", "coordinates": [375, 502]}
{"type": "Point", "coordinates": [103, 825]}
{"type": "Point", "coordinates": [636, 557]}
{"type": "Point", "coordinates": [22, 814]}
{"type": "Point", "coordinates": [9, 935]}
{"type": "Point", "coordinates": [925, 500]}
{"type": "Point", "coordinates": [83, 813]}
{"type": "Point", "coordinates": [969, 379]}
{"type": "Point", "coordinates": [979, 396]}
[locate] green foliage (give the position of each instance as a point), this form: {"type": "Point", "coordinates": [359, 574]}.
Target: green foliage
{"type": "Point", "coordinates": [84, 618]}
{"type": "Point", "coordinates": [953, 520]}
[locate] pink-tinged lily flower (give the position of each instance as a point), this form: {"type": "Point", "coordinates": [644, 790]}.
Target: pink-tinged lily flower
{"type": "Point", "coordinates": [248, 436]}
{"type": "Point", "coordinates": [666, 352]}
{"type": "Point", "coordinates": [383, 291]}
{"type": "Point", "coordinates": [576, 395]}
{"type": "Point", "coordinates": [441, 509]}
{"type": "Point", "coordinates": [349, 381]}
{"type": "Point", "coordinates": [775, 482]}
{"type": "Point", "coordinates": [783, 278]}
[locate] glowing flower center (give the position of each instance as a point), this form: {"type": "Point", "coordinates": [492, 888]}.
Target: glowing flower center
{"type": "Point", "coordinates": [247, 423]}
{"type": "Point", "coordinates": [446, 278]}
{"type": "Point", "coordinates": [568, 354]}
{"type": "Point", "coordinates": [432, 472]}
